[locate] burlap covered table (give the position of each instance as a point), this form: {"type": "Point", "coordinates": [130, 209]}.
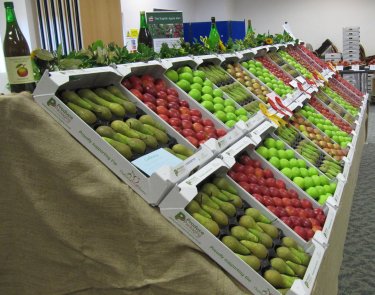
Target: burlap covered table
{"type": "Point", "coordinates": [69, 226]}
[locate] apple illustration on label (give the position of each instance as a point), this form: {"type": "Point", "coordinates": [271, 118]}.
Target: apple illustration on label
{"type": "Point", "coordinates": [22, 70]}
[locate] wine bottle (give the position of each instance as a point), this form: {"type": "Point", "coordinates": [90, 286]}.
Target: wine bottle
{"type": "Point", "coordinates": [214, 37]}
{"type": "Point", "coordinates": [17, 54]}
{"type": "Point", "coordinates": [250, 30]}
{"type": "Point", "coordinates": [144, 36]}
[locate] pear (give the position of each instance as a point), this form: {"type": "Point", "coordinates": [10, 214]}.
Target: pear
{"type": "Point", "coordinates": [249, 222]}
{"type": "Point", "coordinates": [291, 243]}
{"type": "Point", "coordinates": [251, 260]}
{"type": "Point", "coordinates": [278, 280]}
{"type": "Point", "coordinates": [147, 119]}
{"type": "Point", "coordinates": [211, 190]}
{"type": "Point", "coordinates": [220, 217]}
{"type": "Point", "coordinates": [286, 254]}
{"type": "Point", "coordinates": [105, 131]}
{"type": "Point", "coordinates": [259, 250]}
{"type": "Point", "coordinates": [223, 184]}
{"type": "Point", "coordinates": [241, 233]}
{"type": "Point", "coordinates": [203, 199]}
{"type": "Point", "coordinates": [264, 238]}
{"type": "Point", "coordinates": [234, 199]}
{"type": "Point", "coordinates": [160, 136]}
{"type": "Point", "coordinates": [269, 229]}
{"type": "Point", "coordinates": [208, 223]}
{"type": "Point", "coordinates": [299, 270]}
{"type": "Point", "coordinates": [194, 207]}
{"type": "Point", "coordinates": [305, 258]}
{"type": "Point", "coordinates": [183, 150]}
{"type": "Point", "coordinates": [281, 266]}
{"type": "Point", "coordinates": [226, 207]}
{"type": "Point", "coordinates": [122, 148]}
{"type": "Point", "coordinates": [137, 125]}
{"type": "Point", "coordinates": [233, 244]}
{"type": "Point", "coordinates": [254, 213]}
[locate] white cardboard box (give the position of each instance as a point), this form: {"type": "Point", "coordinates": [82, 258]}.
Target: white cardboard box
{"type": "Point", "coordinates": [173, 208]}
{"type": "Point", "coordinates": [152, 188]}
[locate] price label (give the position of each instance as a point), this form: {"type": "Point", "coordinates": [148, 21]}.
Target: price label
{"type": "Point", "coordinates": [262, 128]}
{"type": "Point", "coordinates": [372, 67]}
{"type": "Point", "coordinates": [301, 79]}
{"type": "Point", "coordinates": [328, 225]}
{"type": "Point", "coordinates": [186, 166]}
{"type": "Point", "coordinates": [339, 68]}
{"type": "Point", "coordinates": [313, 268]}
{"type": "Point", "coordinates": [294, 83]}
{"type": "Point", "coordinates": [228, 139]}
{"type": "Point", "coordinates": [338, 193]}
{"type": "Point", "coordinates": [204, 172]}
{"type": "Point", "coordinates": [254, 121]}
{"type": "Point", "coordinates": [355, 67]}
{"type": "Point", "coordinates": [240, 145]}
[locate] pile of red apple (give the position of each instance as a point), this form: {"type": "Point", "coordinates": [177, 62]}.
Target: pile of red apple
{"type": "Point", "coordinates": [304, 60]}
{"type": "Point", "coordinates": [297, 213]}
{"type": "Point", "coordinates": [312, 56]}
{"type": "Point", "coordinates": [348, 85]}
{"type": "Point", "coordinates": [338, 121]}
{"type": "Point", "coordinates": [166, 103]}
{"type": "Point", "coordinates": [349, 96]}
{"type": "Point", "coordinates": [274, 69]}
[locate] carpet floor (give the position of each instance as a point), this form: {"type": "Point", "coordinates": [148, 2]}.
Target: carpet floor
{"type": "Point", "coordinates": [358, 264]}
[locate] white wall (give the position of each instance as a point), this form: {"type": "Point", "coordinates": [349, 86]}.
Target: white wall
{"type": "Point", "coordinates": [311, 21]}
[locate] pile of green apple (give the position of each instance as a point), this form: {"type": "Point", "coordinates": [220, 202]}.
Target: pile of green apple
{"type": "Point", "coordinates": [265, 76]}
{"type": "Point", "coordinates": [307, 178]}
{"type": "Point", "coordinates": [290, 60]}
{"type": "Point", "coordinates": [326, 126]}
{"type": "Point", "coordinates": [338, 99]}
{"type": "Point", "coordinates": [202, 90]}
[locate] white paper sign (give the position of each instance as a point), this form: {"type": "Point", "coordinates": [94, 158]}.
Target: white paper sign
{"type": "Point", "coordinates": [355, 67]}
{"type": "Point", "coordinates": [340, 68]}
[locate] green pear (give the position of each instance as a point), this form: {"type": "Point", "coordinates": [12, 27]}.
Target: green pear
{"type": "Point", "coordinates": [234, 199]}
{"type": "Point", "coordinates": [259, 250]}
{"type": "Point", "coordinates": [278, 280]}
{"type": "Point", "coordinates": [241, 233]}
{"type": "Point", "coordinates": [182, 150]}
{"type": "Point", "coordinates": [264, 238]}
{"type": "Point", "coordinates": [249, 222]}
{"type": "Point", "coordinates": [254, 213]}
{"type": "Point", "coordinates": [208, 223]}
{"type": "Point", "coordinates": [194, 207]}
{"type": "Point", "coordinates": [281, 266]}
{"type": "Point", "coordinates": [269, 229]}
{"type": "Point", "coordinates": [220, 217]}
{"type": "Point", "coordinates": [160, 136]}
{"type": "Point", "coordinates": [286, 254]}
{"type": "Point", "coordinates": [233, 244]}
{"type": "Point", "coordinates": [147, 119]}
{"type": "Point", "coordinates": [305, 258]}
{"type": "Point", "coordinates": [299, 270]}
{"type": "Point", "coordinates": [224, 184]}
{"type": "Point", "coordinates": [291, 243]}
{"type": "Point", "coordinates": [251, 260]}
{"type": "Point", "coordinates": [122, 148]}
{"type": "Point", "coordinates": [203, 199]}
{"type": "Point", "coordinates": [226, 207]}
{"type": "Point", "coordinates": [211, 190]}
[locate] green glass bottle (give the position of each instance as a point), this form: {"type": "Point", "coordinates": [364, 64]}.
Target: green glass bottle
{"type": "Point", "coordinates": [214, 37]}
{"type": "Point", "coordinates": [250, 30]}
{"type": "Point", "coordinates": [144, 36]}
{"type": "Point", "coordinates": [17, 54]}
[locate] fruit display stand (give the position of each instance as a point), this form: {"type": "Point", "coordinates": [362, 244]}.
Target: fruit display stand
{"type": "Point", "coordinates": [322, 275]}
{"type": "Point", "coordinates": [151, 188]}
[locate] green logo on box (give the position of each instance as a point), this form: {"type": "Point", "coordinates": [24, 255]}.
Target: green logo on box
{"type": "Point", "coordinates": [51, 102]}
{"type": "Point", "coordinates": [180, 216]}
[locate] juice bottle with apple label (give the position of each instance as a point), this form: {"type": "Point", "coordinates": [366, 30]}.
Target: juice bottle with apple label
{"type": "Point", "coordinates": [17, 54]}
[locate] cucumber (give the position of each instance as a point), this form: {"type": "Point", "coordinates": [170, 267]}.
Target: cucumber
{"type": "Point", "coordinates": [86, 115]}
{"type": "Point", "coordinates": [115, 108]}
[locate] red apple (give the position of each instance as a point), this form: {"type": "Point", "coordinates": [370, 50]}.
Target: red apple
{"type": "Point", "coordinates": [286, 202]}
{"type": "Point", "coordinates": [162, 110]}
{"type": "Point", "coordinates": [127, 84]}
{"type": "Point", "coordinates": [310, 213]}
{"type": "Point", "coordinates": [306, 203]}
{"type": "Point", "coordinates": [164, 117]}
{"type": "Point", "coordinates": [274, 192]}
{"type": "Point", "coordinates": [314, 221]}
{"type": "Point", "coordinates": [231, 173]}
{"type": "Point", "coordinates": [258, 172]}
{"type": "Point", "coordinates": [173, 113]}
{"type": "Point", "coordinates": [261, 181]}
{"type": "Point", "coordinates": [321, 218]}
{"type": "Point", "coordinates": [172, 98]}
{"type": "Point", "coordinates": [196, 119]}
{"type": "Point", "coordinates": [240, 177]}
{"type": "Point", "coordinates": [318, 211]}
{"type": "Point", "coordinates": [197, 127]}
{"type": "Point", "coordinates": [309, 233]}
{"type": "Point", "coordinates": [259, 197]}
{"type": "Point", "coordinates": [186, 124]}
{"type": "Point", "coordinates": [151, 106]}
{"type": "Point", "coordinates": [282, 211]}
{"type": "Point", "coordinates": [295, 203]}
{"type": "Point", "coordinates": [249, 170]}
{"type": "Point", "coordinates": [264, 190]}
{"type": "Point", "coordinates": [172, 91]}
{"type": "Point", "coordinates": [161, 102]}
{"type": "Point", "coordinates": [195, 112]}
{"type": "Point", "coordinates": [208, 129]}
{"type": "Point", "coordinates": [175, 121]}
{"type": "Point", "coordinates": [306, 223]}
{"type": "Point", "coordinates": [268, 201]}
{"type": "Point", "coordinates": [267, 173]}
{"type": "Point", "coordinates": [185, 117]}
{"type": "Point", "coordinates": [257, 164]}
{"type": "Point", "coordinates": [316, 228]}
{"type": "Point", "coordinates": [177, 128]}
{"type": "Point", "coordinates": [161, 94]}
{"type": "Point", "coordinates": [192, 140]}
{"type": "Point", "coordinates": [135, 80]}
{"type": "Point", "coordinates": [272, 209]}
{"type": "Point", "coordinates": [296, 220]}
{"type": "Point", "coordinates": [208, 122]}
{"type": "Point", "coordinates": [147, 77]}
{"type": "Point", "coordinates": [174, 105]}
{"type": "Point", "coordinates": [200, 135]}
{"type": "Point", "coordinates": [244, 185]}
{"type": "Point", "coordinates": [300, 231]}
{"type": "Point", "coordinates": [280, 183]}
{"type": "Point", "coordinates": [244, 159]}
{"type": "Point", "coordinates": [137, 93]}
{"type": "Point", "coordinates": [271, 182]}
{"type": "Point", "coordinates": [150, 89]}
{"type": "Point", "coordinates": [184, 103]}
{"type": "Point", "coordinates": [252, 178]}
{"type": "Point", "coordinates": [184, 110]}
{"type": "Point", "coordinates": [277, 201]}
{"type": "Point", "coordinates": [237, 167]}
{"type": "Point", "coordinates": [221, 132]}
{"type": "Point", "coordinates": [283, 193]}
{"type": "Point", "coordinates": [188, 132]}
{"type": "Point", "coordinates": [293, 194]}
{"type": "Point", "coordinates": [291, 211]}
{"type": "Point", "coordinates": [287, 221]}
